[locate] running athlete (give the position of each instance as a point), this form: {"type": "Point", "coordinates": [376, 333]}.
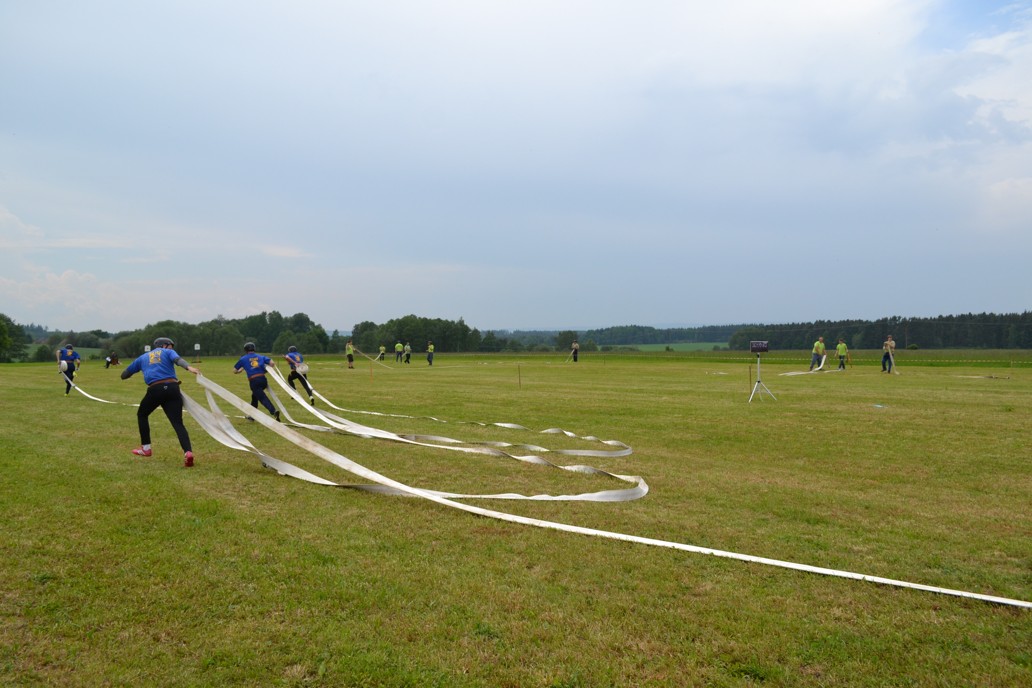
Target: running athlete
{"type": "Point", "coordinates": [159, 372]}
{"type": "Point", "coordinates": [295, 359]}
{"type": "Point", "coordinates": [254, 365]}
{"type": "Point", "coordinates": [72, 360]}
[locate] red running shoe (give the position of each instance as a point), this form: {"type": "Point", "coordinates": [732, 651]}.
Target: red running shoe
{"type": "Point", "coordinates": [140, 451]}
{"type": "Point", "coordinates": [188, 460]}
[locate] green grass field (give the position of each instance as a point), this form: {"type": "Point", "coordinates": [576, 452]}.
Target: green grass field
{"type": "Point", "coordinates": [120, 571]}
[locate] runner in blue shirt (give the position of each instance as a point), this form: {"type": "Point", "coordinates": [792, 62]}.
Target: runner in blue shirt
{"type": "Point", "coordinates": [295, 359]}
{"type": "Point", "coordinates": [72, 360]}
{"type": "Point", "coordinates": [254, 364]}
{"type": "Point", "coordinates": [159, 372]}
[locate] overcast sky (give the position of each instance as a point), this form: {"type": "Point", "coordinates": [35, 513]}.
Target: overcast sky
{"type": "Point", "coordinates": [520, 164]}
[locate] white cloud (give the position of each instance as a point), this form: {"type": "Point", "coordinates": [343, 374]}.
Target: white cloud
{"type": "Point", "coordinates": [1006, 87]}
{"type": "Point", "coordinates": [14, 231]}
{"type": "Point", "coordinates": [284, 251]}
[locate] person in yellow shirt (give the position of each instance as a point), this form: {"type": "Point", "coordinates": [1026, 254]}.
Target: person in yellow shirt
{"type": "Point", "coordinates": [843, 353]}
{"type": "Point", "coordinates": [818, 353]}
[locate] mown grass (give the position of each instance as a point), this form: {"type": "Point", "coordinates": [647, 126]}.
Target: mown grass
{"type": "Point", "coordinates": [121, 571]}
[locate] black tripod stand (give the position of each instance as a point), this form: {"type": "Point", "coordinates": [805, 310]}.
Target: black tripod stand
{"type": "Point", "coordinates": [759, 385]}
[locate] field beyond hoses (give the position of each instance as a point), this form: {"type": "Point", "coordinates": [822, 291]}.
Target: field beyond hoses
{"type": "Point", "coordinates": [118, 570]}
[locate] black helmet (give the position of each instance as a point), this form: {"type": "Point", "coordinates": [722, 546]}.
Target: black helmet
{"type": "Point", "coordinates": [291, 349]}
{"type": "Point", "coordinates": [69, 346]}
{"type": "Point", "coordinates": [162, 342]}
{"type": "Point", "coordinates": [249, 346]}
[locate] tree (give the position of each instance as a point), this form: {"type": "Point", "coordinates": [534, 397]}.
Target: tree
{"type": "Point", "coordinates": [285, 339]}
{"type": "Point", "coordinates": [13, 340]}
{"type": "Point", "coordinates": [225, 339]}
{"type": "Point", "coordinates": [365, 335]}
{"type": "Point", "coordinates": [315, 341]}
{"type": "Point", "coordinates": [490, 342]}
{"type": "Point", "coordinates": [565, 339]}
{"type": "Point", "coordinates": [300, 323]}
{"type": "Point", "coordinates": [336, 343]}
{"type": "Point", "coordinates": [5, 338]}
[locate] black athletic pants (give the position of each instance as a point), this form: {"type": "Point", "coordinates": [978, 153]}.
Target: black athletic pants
{"type": "Point", "coordinates": [168, 397]}
{"type": "Point", "coordinates": [294, 375]}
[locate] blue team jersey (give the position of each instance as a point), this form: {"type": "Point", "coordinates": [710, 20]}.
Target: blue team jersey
{"type": "Point", "coordinates": [295, 358]}
{"type": "Point", "coordinates": [253, 364]}
{"type": "Point", "coordinates": [156, 364]}
{"type": "Point", "coordinates": [70, 357]}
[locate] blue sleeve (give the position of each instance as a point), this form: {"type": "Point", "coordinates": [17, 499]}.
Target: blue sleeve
{"type": "Point", "coordinates": [132, 368]}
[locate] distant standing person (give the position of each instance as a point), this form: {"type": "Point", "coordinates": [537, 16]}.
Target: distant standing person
{"type": "Point", "coordinates": [888, 355]}
{"type": "Point", "coordinates": [818, 353]}
{"type": "Point", "coordinates": [398, 349]}
{"type": "Point", "coordinates": [575, 351]}
{"type": "Point", "coordinates": [159, 373]}
{"type": "Point", "coordinates": [298, 371]}
{"type": "Point", "coordinates": [255, 364]}
{"type": "Point", "coordinates": [349, 351]}
{"type": "Point", "coordinates": [843, 353]}
{"type": "Point", "coordinates": [408, 352]}
{"type": "Point", "coordinates": [383, 352]}
{"type": "Point", "coordinates": [72, 360]}
{"type": "Point", "coordinates": [430, 353]}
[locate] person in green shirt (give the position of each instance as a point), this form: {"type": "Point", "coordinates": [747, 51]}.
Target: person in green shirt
{"type": "Point", "coordinates": [430, 353]}
{"type": "Point", "coordinates": [818, 354]}
{"type": "Point", "coordinates": [398, 348]}
{"type": "Point", "coordinates": [843, 353]}
{"type": "Point", "coordinates": [349, 351]}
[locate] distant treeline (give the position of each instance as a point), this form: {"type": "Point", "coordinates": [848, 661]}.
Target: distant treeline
{"type": "Point", "coordinates": [970, 331]}
{"type": "Point", "coordinates": [272, 332]}
{"type": "Point", "coordinates": [456, 335]}
{"type": "Point", "coordinates": [221, 336]}
{"type": "Point", "coordinates": [628, 335]}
